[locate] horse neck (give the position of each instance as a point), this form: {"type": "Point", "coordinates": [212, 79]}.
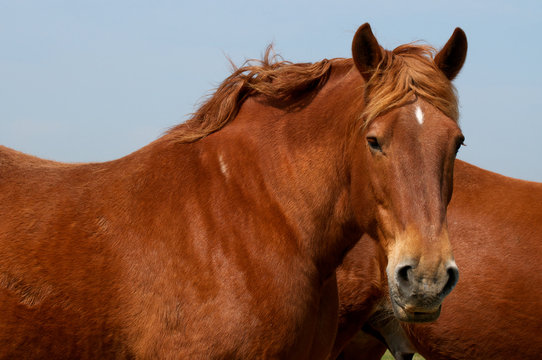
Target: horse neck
{"type": "Point", "coordinates": [290, 166]}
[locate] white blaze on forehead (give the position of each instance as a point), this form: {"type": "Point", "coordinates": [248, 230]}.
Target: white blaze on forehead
{"type": "Point", "coordinates": [223, 165]}
{"type": "Point", "coordinates": [419, 114]}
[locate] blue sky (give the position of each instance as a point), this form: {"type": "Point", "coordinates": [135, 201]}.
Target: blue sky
{"type": "Point", "coordinates": [95, 80]}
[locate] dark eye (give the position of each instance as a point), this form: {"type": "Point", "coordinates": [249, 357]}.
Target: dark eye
{"type": "Point", "coordinates": [373, 143]}
{"type": "Point", "coordinates": [460, 142]}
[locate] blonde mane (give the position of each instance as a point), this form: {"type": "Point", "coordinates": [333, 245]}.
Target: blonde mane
{"type": "Point", "coordinates": [403, 74]}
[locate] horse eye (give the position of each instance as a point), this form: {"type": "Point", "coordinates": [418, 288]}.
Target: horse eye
{"type": "Point", "coordinates": [373, 143]}
{"type": "Point", "coordinates": [460, 142]}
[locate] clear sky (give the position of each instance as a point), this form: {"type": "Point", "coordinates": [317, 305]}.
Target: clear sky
{"type": "Point", "coordinates": [95, 80]}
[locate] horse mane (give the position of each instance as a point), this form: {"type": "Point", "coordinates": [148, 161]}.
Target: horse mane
{"type": "Point", "coordinates": [404, 74]}
{"type": "Point", "coordinates": [278, 80]}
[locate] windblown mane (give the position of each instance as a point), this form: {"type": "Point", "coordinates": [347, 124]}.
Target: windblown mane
{"type": "Point", "coordinates": [272, 77]}
{"type": "Point", "coordinates": [403, 74]}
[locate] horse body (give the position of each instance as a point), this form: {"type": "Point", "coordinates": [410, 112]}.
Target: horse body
{"type": "Point", "coordinates": [221, 239]}
{"type": "Point", "coordinates": [495, 223]}
{"type": "Point", "coordinates": [58, 271]}
{"type": "Point", "coordinates": [173, 257]}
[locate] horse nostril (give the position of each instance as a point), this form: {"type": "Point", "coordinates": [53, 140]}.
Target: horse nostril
{"type": "Point", "coordinates": [453, 277]}
{"type": "Point", "coordinates": [403, 278]}
{"type": "Point", "coordinates": [402, 273]}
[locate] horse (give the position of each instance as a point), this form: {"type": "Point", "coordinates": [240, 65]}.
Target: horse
{"type": "Point", "coordinates": [221, 238]}
{"type": "Point", "coordinates": [495, 226]}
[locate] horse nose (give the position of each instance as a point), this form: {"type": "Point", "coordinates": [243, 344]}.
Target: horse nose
{"type": "Point", "coordinates": [404, 278]}
{"type": "Point", "coordinates": [410, 285]}
{"type": "Point", "coordinates": [453, 277]}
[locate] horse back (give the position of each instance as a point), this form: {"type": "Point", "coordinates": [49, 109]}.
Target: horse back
{"type": "Point", "coordinates": [57, 273]}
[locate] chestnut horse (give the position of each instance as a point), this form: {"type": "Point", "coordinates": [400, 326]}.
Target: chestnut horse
{"type": "Point", "coordinates": [495, 226]}
{"type": "Point", "coordinates": [221, 238]}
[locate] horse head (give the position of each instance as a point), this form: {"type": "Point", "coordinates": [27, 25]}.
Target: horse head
{"type": "Point", "coordinates": [410, 137]}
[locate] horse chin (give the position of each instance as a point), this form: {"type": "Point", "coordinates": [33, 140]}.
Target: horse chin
{"type": "Point", "coordinates": [415, 315]}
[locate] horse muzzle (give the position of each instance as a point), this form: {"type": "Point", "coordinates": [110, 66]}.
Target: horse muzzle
{"type": "Point", "coordinates": [416, 297]}
{"type": "Point", "coordinates": [412, 314]}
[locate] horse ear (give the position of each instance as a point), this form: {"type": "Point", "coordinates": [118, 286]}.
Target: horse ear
{"type": "Point", "coordinates": [366, 52]}
{"type": "Point", "coordinates": [452, 56]}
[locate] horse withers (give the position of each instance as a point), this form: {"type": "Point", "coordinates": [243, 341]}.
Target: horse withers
{"type": "Point", "coordinates": [221, 238]}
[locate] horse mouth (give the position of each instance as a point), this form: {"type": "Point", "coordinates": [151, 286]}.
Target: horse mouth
{"type": "Point", "coordinates": [412, 314]}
